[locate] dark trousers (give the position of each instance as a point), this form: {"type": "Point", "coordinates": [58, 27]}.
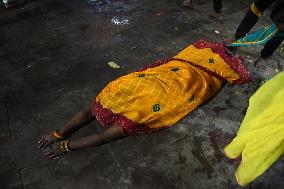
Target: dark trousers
{"type": "Point", "coordinates": [217, 5]}
{"type": "Point", "coordinates": [250, 20]}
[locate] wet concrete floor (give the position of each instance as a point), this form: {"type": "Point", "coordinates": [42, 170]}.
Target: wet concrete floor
{"type": "Point", "coordinates": [53, 60]}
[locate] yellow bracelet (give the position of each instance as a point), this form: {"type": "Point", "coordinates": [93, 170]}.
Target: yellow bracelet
{"type": "Point", "coordinates": [255, 10]}
{"type": "Point", "coordinates": [66, 145]}
{"type": "Point", "coordinates": [62, 146]}
{"type": "Point", "coordinates": [57, 135]}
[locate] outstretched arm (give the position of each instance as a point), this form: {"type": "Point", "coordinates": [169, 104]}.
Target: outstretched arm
{"type": "Point", "coordinates": [80, 119]}
{"type": "Point", "coordinates": [108, 135]}
{"type": "Point", "coordinates": [112, 133]}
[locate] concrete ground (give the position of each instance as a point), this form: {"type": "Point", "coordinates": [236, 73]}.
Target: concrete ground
{"type": "Point", "coordinates": [53, 60]}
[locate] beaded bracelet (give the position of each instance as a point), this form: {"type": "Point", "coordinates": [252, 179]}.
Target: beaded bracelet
{"type": "Point", "coordinates": [64, 145]}
{"type": "Point", "coordinates": [57, 135]}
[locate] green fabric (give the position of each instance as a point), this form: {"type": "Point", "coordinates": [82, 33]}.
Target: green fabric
{"type": "Point", "coordinates": [258, 37]}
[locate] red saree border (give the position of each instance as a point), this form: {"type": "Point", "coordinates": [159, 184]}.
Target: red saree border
{"type": "Point", "coordinates": [155, 64]}
{"type": "Point", "coordinates": [161, 62]}
{"type": "Point", "coordinates": [106, 116]}
{"type": "Point", "coordinates": [202, 68]}
{"type": "Point", "coordinates": [235, 62]}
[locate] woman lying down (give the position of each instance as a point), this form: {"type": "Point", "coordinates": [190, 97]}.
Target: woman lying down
{"type": "Point", "coordinates": [152, 98]}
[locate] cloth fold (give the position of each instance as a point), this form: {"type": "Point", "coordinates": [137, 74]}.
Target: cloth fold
{"type": "Point", "coordinates": [260, 139]}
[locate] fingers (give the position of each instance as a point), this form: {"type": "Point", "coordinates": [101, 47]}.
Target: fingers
{"type": "Point", "coordinates": [44, 142]}
{"type": "Point", "coordinates": [50, 153]}
{"type": "Point", "coordinates": [235, 148]}
{"type": "Point", "coordinates": [51, 156]}
{"type": "Point", "coordinates": [54, 156]}
{"type": "Point", "coordinates": [41, 141]}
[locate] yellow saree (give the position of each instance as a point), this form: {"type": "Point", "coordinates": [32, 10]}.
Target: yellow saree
{"type": "Point", "coordinates": [161, 94]}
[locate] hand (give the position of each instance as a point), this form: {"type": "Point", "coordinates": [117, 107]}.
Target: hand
{"type": "Point", "coordinates": [53, 151]}
{"type": "Point", "coordinates": [46, 141]}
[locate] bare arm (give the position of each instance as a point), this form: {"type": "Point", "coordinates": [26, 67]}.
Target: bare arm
{"type": "Point", "coordinates": [80, 119]}
{"type": "Point", "coordinates": [108, 135]}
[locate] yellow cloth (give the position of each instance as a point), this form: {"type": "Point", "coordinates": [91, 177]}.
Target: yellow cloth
{"type": "Point", "coordinates": [260, 139]}
{"type": "Point", "coordinates": [161, 96]}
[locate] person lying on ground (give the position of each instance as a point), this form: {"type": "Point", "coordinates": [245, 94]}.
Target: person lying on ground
{"type": "Point", "coordinates": [153, 98]}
